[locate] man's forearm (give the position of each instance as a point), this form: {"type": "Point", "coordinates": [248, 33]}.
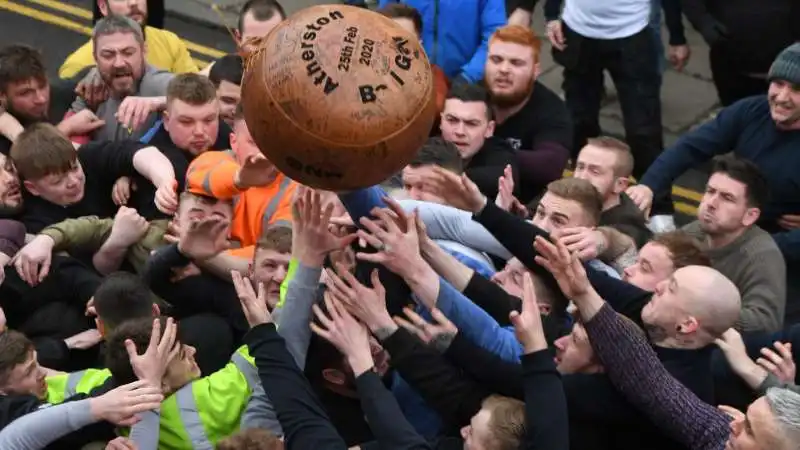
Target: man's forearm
{"type": "Point", "coordinates": [109, 257]}
{"type": "Point", "coordinates": [448, 267]}
{"type": "Point", "coordinates": [154, 166]}
{"type": "Point", "coordinates": [222, 264]}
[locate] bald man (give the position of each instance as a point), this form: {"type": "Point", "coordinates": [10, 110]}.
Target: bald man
{"type": "Point", "coordinates": [691, 308]}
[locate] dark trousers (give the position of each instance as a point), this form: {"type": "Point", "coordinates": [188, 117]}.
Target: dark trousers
{"type": "Point", "coordinates": [731, 84]}
{"type": "Point", "coordinates": [634, 68]}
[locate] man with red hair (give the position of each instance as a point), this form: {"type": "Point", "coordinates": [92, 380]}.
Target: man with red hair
{"type": "Point", "coordinates": [528, 115]}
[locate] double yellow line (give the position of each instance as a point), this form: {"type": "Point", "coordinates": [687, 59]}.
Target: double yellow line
{"type": "Point", "coordinates": [85, 15]}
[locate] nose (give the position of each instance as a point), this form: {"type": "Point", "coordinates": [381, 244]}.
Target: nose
{"type": "Point", "coordinates": [560, 342]}
{"type": "Point", "coordinates": [628, 271]}
{"type": "Point", "coordinates": [190, 350]}
{"type": "Point", "coordinates": [737, 425]}
{"type": "Point", "coordinates": [280, 274]}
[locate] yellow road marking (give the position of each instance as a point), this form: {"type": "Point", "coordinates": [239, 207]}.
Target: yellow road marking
{"type": "Point", "coordinates": [59, 21]}
{"type": "Point", "coordinates": [86, 14]}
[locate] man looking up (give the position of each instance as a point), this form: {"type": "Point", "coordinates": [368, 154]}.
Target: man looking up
{"type": "Point", "coordinates": [738, 248]}
{"type": "Point", "coordinates": [531, 117]}
{"type": "Point", "coordinates": [165, 50]}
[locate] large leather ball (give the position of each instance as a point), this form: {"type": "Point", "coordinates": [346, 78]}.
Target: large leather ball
{"type": "Point", "coordinates": [339, 97]}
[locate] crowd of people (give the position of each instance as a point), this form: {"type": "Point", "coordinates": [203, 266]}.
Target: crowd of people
{"type": "Point", "coordinates": [520, 284]}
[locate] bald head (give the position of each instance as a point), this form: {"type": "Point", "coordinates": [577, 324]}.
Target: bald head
{"type": "Point", "coordinates": [710, 297]}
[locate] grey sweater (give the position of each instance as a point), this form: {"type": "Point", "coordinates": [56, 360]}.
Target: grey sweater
{"type": "Point", "coordinates": [36, 430]}
{"type": "Point", "coordinates": [756, 266]}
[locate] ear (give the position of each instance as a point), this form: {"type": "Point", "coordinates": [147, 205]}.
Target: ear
{"type": "Point", "coordinates": [334, 376]}
{"type": "Point", "coordinates": [156, 310]}
{"type": "Point", "coordinates": [103, 7]}
{"type": "Point", "coordinates": [489, 129]}
{"type": "Point", "coordinates": [688, 325]}
{"type": "Point", "coordinates": [237, 37]}
{"type": "Point", "coordinates": [101, 327]}
{"type": "Point", "coordinates": [537, 70]}
{"type": "Point", "coordinates": [751, 216]}
{"type": "Point", "coordinates": [144, 50]}
{"type": "Point", "coordinates": [165, 115]}
{"type": "Point", "coordinates": [251, 268]}
{"type": "Point", "coordinates": [620, 185]}
{"type": "Point", "coordinates": [544, 309]}
{"type": "Point", "coordinates": [32, 188]}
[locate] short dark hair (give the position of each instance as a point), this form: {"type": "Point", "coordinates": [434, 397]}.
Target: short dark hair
{"type": "Point", "coordinates": [229, 68]}
{"type": "Point", "coordinates": [471, 93]}
{"type": "Point", "coordinates": [122, 296]}
{"type": "Point", "coordinates": [277, 238]}
{"type": "Point", "coordinates": [20, 63]}
{"type": "Point", "coordinates": [15, 349]}
{"type": "Point", "coordinates": [403, 11]}
{"type": "Point", "coordinates": [262, 10]}
{"type": "Point", "coordinates": [747, 173]}
{"type": "Point", "coordinates": [191, 88]}
{"type": "Point", "coordinates": [138, 331]}
{"type": "Point", "coordinates": [438, 152]}
{"type": "Point", "coordinates": [42, 150]}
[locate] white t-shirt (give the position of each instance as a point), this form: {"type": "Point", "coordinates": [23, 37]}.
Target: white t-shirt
{"type": "Point", "coordinates": [607, 19]}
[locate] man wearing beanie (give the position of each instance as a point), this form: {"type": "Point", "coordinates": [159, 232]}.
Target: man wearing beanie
{"type": "Point", "coordinates": [744, 37]}
{"type": "Point", "coordinates": [764, 129]}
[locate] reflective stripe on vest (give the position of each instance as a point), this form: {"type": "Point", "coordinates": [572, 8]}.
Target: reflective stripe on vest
{"type": "Point", "coordinates": [190, 417]}
{"type": "Point", "coordinates": [274, 203]}
{"type": "Point", "coordinates": [73, 379]}
{"type": "Point", "coordinates": [189, 413]}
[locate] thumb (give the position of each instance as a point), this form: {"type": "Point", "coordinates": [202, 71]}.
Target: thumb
{"type": "Point", "coordinates": [515, 319]}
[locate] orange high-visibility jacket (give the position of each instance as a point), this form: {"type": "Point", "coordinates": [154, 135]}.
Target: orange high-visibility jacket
{"type": "Point", "coordinates": [213, 173]}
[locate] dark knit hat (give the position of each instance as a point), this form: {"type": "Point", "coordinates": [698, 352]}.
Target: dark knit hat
{"type": "Point", "coordinates": [787, 65]}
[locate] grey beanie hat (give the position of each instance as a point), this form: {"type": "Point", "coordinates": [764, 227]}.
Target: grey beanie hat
{"type": "Point", "coordinates": [787, 65]}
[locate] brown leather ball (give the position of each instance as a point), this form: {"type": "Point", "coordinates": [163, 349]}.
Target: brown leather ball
{"type": "Point", "coordinates": [339, 97]}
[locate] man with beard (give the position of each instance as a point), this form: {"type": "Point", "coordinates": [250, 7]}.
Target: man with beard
{"type": "Point", "coordinates": [738, 248]}
{"type": "Point", "coordinates": [137, 91]}
{"type": "Point", "coordinates": [528, 115]}
{"type": "Point", "coordinates": [764, 130]}
{"type": "Point", "coordinates": [165, 50]}
{"type": "Point", "coordinates": [27, 95]}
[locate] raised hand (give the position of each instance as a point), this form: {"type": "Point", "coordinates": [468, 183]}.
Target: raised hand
{"type": "Point", "coordinates": [439, 334]}
{"type": "Point", "coordinates": [312, 236]}
{"type": "Point", "coordinates": [204, 238]}
{"type": "Point", "coordinates": [122, 405]}
{"type": "Point", "coordinates": [779, 362]}
{"type": "Point", "coordinates": [254, 304]}
{"type": "Point", "coordinates": [162, 349]}
{"type": "Point", "coordinates": [457, 190]}
{"type": "Point", "coordinates": [398, 248]}
{"type": "Point", "coordinates": [565, 267]}
{"type": "Point", "coordinates": [343, 331]}
{"type": "Point", "coordinates": [365, 303]}
{"type": "Point", "coordinates": [528, 322]}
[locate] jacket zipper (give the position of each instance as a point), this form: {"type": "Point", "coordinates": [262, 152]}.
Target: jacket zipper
{"type": "Point", "coordinates": [435, 31]}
